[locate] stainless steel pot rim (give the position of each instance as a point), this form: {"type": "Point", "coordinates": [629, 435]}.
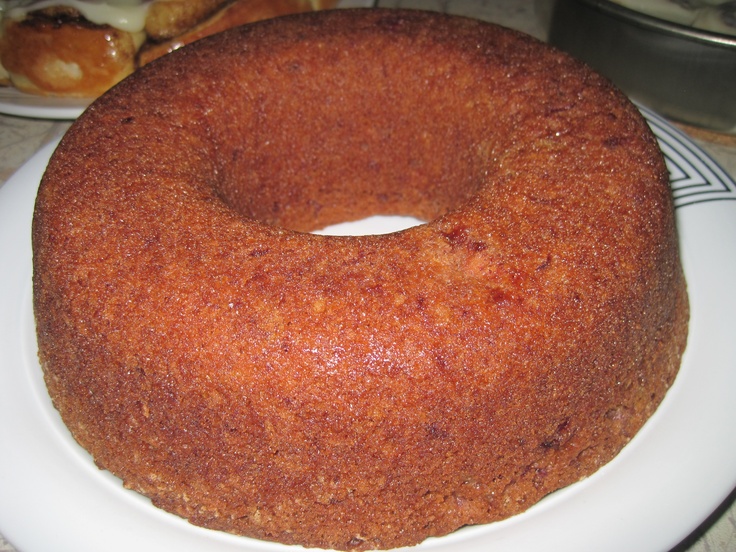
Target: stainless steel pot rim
{"type": "Point", "coordinates": [661, 25]}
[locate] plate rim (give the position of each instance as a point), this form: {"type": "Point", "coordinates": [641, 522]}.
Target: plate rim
{"type": "Point", "coordinates": [476, 538]}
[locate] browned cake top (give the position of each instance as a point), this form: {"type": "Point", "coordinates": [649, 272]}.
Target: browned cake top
{"type": "Point", "coordinates": [357, 392]}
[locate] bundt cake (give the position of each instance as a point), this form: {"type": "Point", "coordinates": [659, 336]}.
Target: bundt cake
{"type": "Point", "coordinates": [357, 392]}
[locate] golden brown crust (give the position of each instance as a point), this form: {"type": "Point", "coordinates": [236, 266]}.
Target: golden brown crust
{"type": "Point", "coordinates": [357, 392]}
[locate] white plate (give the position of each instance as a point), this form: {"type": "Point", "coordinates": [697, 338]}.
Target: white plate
{"type": "Point", "coordinates": [19, 104]}
{"type": "Point", "coordinates": [671, 476]}
{"type": "Point", "coordinates": [15, 102]}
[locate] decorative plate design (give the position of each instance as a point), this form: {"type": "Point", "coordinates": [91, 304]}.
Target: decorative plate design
{"type": "Point", "coordinates": [694, 176]}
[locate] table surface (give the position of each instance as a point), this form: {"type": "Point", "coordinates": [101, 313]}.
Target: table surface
{"type": "Point", "coordinates": [20, 138]}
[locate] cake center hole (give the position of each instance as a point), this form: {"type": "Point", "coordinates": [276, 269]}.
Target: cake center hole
{"type": "Point", "coordinates": [388, 145]}
{"type": "Point", "coordinates": [377, 224]}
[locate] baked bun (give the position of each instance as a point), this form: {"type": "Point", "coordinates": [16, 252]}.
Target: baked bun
{"type": "Point", "coordinates": [231, 15]}
{"type": "Point", "coordinates": [59, 53]}
{"type": "Point", "coordinates": [81, 49]}
{"type": "Point", "coordinates": [371, 391]}
{"type": "Point", "coordinates": [170, 18]}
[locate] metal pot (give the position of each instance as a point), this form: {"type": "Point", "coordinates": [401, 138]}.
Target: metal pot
{"type": "Point", "coordinates": [686, 74]}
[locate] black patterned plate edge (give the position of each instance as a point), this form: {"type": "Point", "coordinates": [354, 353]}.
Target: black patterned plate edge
{"type": "Point", "coordinates": [695, 177]}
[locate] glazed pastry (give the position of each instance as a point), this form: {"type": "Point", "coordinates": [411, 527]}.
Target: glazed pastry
{"type": "Point", "coordinates": [81, 48]}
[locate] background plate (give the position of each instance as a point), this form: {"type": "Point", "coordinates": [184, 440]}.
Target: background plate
{"type": "Point", "coordinates": [14, 102]}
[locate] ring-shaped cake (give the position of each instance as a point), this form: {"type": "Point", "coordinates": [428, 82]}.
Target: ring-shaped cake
{"type": "Point", "coordinates": [357, 392]}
